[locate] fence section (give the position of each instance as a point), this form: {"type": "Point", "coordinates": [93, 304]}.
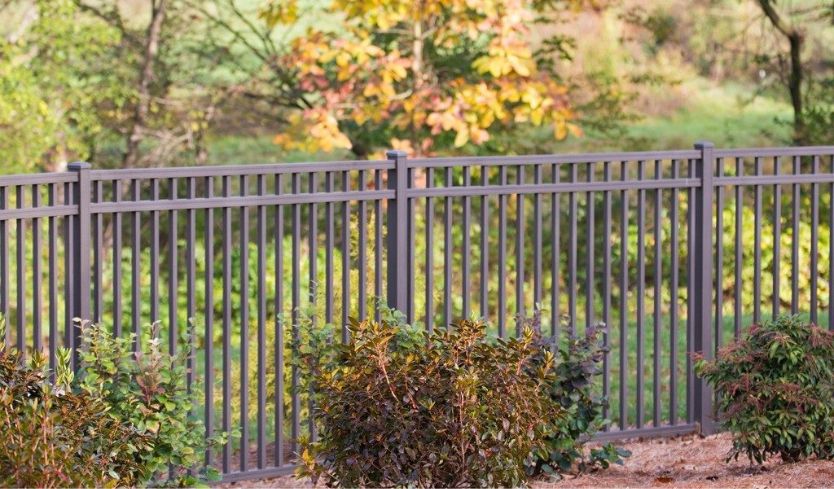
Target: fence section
{"type": "Point", "coordinates": [675, 251]}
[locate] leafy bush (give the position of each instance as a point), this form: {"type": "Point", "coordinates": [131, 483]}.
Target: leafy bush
{"type": "Point", "coordinates": [146, 390]}
{"type": "Point", "coordinates": [776, 390]}
{"type": "Point", "coordinates": [123, 420]}
{"type": "Point", "coordinates": [402, 407]}
{"type": "Point", "coordinates": [54, 437]}
{"type": "Point", "coordinates": [579, 362]}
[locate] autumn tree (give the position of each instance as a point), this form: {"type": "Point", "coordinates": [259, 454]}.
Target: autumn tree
{"type": "Point", "coordinates": [426, 76]}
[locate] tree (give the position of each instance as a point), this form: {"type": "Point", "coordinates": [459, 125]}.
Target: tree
{"type": "Point", "coordinates": [425, 76]}
{"type": "Point", "coordinates": [793, 24]}
{"type": "Point", "coordinates": [53, 85]}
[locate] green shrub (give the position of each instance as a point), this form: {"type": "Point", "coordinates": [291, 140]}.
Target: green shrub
{"type": "Point", "coordinates": [54, 437]}
{"type": "Point", "coordinates": [401, 407]}
{"type": "Point", "coordinates": [775, 390]}
{"type": "Point", "coordinates": [146, 390]}
{"type": "Point", "coordinates": [578, 364]}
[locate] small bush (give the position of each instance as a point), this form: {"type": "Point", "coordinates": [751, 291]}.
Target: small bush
{"type": "Point", "coordinates": [124, 419]}
{"type": "Point", "coordinates": [775, 390]}
{"type": "Point", "coordinates": [146, 390]}
{"type": "Point", "coordinates": [401, 407]}
{"type": "Point", "coordinates": [52, 437]}
{"type": "Point", "coordinates": [578, 364]}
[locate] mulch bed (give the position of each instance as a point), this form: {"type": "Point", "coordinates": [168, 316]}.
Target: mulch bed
{"type": "Point", "coordinates": [691, 462]}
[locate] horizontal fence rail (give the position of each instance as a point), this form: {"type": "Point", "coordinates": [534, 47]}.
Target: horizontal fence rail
{"type": "Point", "coordinates": [675, 251]}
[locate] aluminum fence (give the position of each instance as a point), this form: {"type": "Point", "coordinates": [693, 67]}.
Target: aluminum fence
{"type": "Point", "coordinates": [676, 251]}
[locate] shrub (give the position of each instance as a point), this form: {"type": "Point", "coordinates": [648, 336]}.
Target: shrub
{"type": "Point", "coordinates": [401, 407]}
{"type": "Point", "coordinates": [146, 390]}
{"type": "Point", "coordinates": [53, 437]}
{"type": "Point", "coordinates": [579, 362]}
{"type": "Point", "coordinates": [775, 390]}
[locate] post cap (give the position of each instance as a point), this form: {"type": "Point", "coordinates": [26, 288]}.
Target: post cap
{"type": "Point", "coordinates": [704, 145]}
{"type": "Point", "coordinates": [79, 165]}
{"type": "Point", "coordinates": [393, 154]}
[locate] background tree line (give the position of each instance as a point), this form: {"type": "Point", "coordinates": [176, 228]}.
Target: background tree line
{"type": "Point", "coordinates": [162, 82]}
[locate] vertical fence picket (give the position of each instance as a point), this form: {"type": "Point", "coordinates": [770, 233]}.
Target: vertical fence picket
{"type": "Point", "coordinates": [52, 238]}
{"type": "Point", "coordinates": [37, 274]}
{"type": "Point", "coordinates": [447, 254]}
{"type": "Point", "coordinates": [20, 281]}
{"type": "Point", "coordinates": [657, 320]}
{"type": "Point", "coordinates": [777, 239]}
{"type": "Point", "coordinates": [757, 246]}
{"type": "Point", "coordinates": [117, 262]}
{"type": "Point", "coordinates": [624, 221]}
{"type": "Point", "coordinates": [589, 252]}
{"type": "Point", "coordinates": [815, 221]}
{"type": "Point", "coordinates": [519, 255]}
{"type": "Point", "coordinates": [641, 293]}
{"type": "Point", "coordinates": [555, 256]}
{"type": "Point", "coordinates": [572, 254]}
{"type": "Point", "coordinates": [484, 246]}
{"type": "Point", "coordinates": [739, 203]}
{"type": "Point", "coordinates": [674, 309]}
{"type": "Point", "coordinates": [466, 258]}
{"type": "Point", "coordinates": [4, 262]}
{"type": "Point", "coordinates": [607, 239]}
{"type": "Point", "coordinates": [429, 253]}
{"type": "Point", "coordinates": [502, 255]}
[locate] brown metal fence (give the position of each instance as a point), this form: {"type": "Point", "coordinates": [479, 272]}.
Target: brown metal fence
{"type": "Point", "coordinates": [676, 251]}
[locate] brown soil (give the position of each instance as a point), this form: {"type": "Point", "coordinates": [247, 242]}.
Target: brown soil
{"type": "Point", "coordinates": [691, 462]}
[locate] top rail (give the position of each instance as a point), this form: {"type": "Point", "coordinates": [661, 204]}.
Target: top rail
{"type": "Point", "coordinates": [37, 179]}
{"type": "Point", "coordinates": [239, 170]}
{"type": "Point", "coordinates": [552, 159]}
{"type": "Point", "coordinates": [774, 151]}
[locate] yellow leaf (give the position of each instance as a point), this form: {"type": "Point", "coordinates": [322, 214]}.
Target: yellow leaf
{"type": "Point", "coordinates": [560, 130]}
{"type": "Point", "coordinates": [522, 67]}
{"type": "Point", "coordinates": [461, 138]}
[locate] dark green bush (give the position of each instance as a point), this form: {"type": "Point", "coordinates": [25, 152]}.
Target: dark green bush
{"type": "Point", "coordinates": [775, 390]}
{"type": "Point", "coordinates": [146, 390]}
{"type": "Point", "coordinates": [401, 407]}
{"type": "Point", "coordinates": [52, 437]}
{"type": "Point", "coordinates": [578, 363]}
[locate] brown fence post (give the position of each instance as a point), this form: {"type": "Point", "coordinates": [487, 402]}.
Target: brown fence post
{"type": "Point", "coordinates": [704, 283]}
{"type": "Point", "coordinates": [397, 224]}
{"type": "Point", "coordinates": [81, 248]}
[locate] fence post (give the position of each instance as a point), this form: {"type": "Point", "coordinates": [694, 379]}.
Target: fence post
{"type": "Point", "coordinates": [397, 224]}
{"type": "Point", "coordinates": [80, 261]}
{"type": "Point", "coordinates": [704, 283]}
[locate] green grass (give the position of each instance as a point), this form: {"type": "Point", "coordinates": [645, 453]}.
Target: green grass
{"type": "Point", "coordinates": [727, 115]}
{"type": "Point", "coordinates": [241, 149]}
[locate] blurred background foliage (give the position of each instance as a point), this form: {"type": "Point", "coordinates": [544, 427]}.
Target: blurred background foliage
{"type": "Point", "coordinates": [164, 82]}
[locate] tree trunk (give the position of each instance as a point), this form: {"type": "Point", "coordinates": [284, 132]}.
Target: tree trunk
{"type": "Point", "coordinates": [146, 76]}
{"type": "Point", "coordinates": [795, 39]}
{"type": "Point", "coordinates": [795, 87]}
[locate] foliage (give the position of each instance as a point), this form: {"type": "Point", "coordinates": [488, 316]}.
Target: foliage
{"type": "Point", "coordinates": [146, 390]}
{"type": "Point", "coordinates": [578, 363]}
{"type": "Point", "coordinates": [53, 88]}
{"type": "Point", "coordinates": [55, 437]}
{"type": "Point", "coordinates": [402, 407]}
{"type": "Point", "coordinates": [420, 77]}
{"type": "Point", "coordinates": [776, 390]}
